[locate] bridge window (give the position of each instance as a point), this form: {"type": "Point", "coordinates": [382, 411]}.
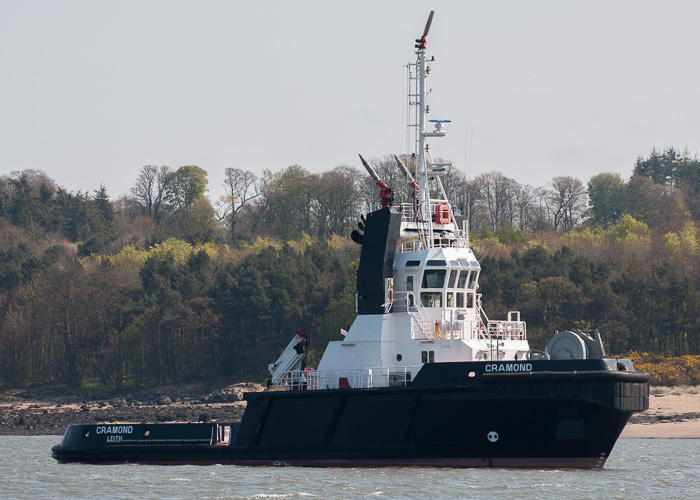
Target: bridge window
{"type": "Point", "coordinates": [431, 299]}
{"type": "Point", "coordinates": [436, 263]}
{"type": "Point", "coordinates": [453, 278]}
{"type": "Point", "coordinates": [413, 263]}
{"type": "Point", "coordinates": [462, 281]}
{"type": "Point", "coordinates": [472, 280]}
{"type": "Point", "coordinates": [434, 278]}
{"type": "Point", "coordinates": [460, 299]}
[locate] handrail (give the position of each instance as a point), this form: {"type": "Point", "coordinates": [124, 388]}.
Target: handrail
{"type": "Point", "coordinates": [310, 380]}
{"type": "Point", "coordinates": [510, 329]}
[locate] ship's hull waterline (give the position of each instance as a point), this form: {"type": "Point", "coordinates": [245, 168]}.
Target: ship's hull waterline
{"type": "Point", "coordinates": [548, 423]}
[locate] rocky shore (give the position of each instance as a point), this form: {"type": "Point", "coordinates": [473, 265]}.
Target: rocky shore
{"type": "Point", "coordinates": [31, 416]}
{"type": "Point", "coordinates": [673, 412]}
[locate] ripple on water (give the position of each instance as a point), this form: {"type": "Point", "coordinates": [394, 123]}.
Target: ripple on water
{"type": "Point", "coordinates": [639, 469]}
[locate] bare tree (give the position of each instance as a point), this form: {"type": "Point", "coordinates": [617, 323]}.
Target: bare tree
{"type": "Point", "coordinates": [338, 206]}
{"type": "Point", "coordinates": [526, 206]}
{"type": "Point", "coordinates": [498, 195]}
{"type": "Point", "coordinates": [454, 184]}
{"type": "Point", "coordinates": [567, 201]}
{"type": "Point", "coordinates": [241, 188]}
{"type": "Point", "coordinates": [150, 189]}
{"type": "Point", "coordinates": [253, 214]}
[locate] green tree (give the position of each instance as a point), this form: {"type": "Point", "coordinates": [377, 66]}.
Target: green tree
{"type": "Point", "coordinates": [100, 219]}
{"type": "Point", "coordinates": [292, 203]}
{"type": "Point", "coordinates": [338, 208]}
{"type": "Point", "coordinates": [555, 299]}
{"type": "Point", "coordinates": [659, 166]}
{"type": "Point", "coordinates": [197, 225]}
{"type": "Point", "coordinates": [655, 204]}
{"type": "Point", "coordinates": [185, 186]}
{"type": "Point", "coordinates": [22, 210]}
{"type": "Point", "coordinates": [606, 197]}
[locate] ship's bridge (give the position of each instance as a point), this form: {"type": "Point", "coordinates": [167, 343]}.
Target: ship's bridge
{"type": "Point", "coordinates": [438, 288]}
{"type": "Point", "coordinates": [438, 278]}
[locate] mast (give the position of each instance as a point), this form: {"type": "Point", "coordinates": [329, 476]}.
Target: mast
{"type": "Point", "coordinates": [426, 169]}
{"type": "Point", "coordinates": [422, 166]}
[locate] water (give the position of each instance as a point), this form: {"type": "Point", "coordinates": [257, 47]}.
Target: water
{"type": "Point", "coordinates": [637, 469]}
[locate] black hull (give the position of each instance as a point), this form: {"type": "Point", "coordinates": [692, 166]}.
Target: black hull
{"type": "Point", "coordinates": [523, 420]}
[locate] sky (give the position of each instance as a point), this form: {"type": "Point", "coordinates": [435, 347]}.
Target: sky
{"type": "Point", "coordinates": [91, 91]}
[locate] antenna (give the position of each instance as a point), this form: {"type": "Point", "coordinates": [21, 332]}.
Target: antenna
{"type": "Point", "coordinates": [420, 43]}
{"type": "Point", "coordinates": [385, 192]}
{"type": "Point", "coordinates": [427, 25]}
{"type": "Point", "coordinates": [403, 168]}
{"type": "Point", "coordinates": [370, 170]}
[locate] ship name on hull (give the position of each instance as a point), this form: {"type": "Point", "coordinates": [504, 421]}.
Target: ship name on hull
{"type": "Point", "coordinates": [508, 367]}
{"type": "Point", "coordinates": [114, 429]}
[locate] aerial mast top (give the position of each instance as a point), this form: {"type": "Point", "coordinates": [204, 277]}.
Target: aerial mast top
{"type": "Point", "coordinates": [423, 203]}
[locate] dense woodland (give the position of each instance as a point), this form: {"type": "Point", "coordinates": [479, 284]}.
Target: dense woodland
{"type": "Point", "coordinates": [165, 285]}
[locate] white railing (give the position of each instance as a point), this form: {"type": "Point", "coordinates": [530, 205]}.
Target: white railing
{"type": "Point", "coordinates": [422, 241]}
{"type": "Point", "coordinates": [424, 328]}
{"type": "Point", "coordinates": [510, 329]}
{"type": "Point", "coordinates": [344, 379]}
{"type": "Point", "coordinates": [507, 330]}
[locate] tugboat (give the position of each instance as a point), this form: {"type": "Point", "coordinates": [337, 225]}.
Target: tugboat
{"type": "Point", "coordinates": [422, 378]}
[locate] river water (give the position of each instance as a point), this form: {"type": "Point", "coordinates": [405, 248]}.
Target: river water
{"type": "Point", "coordinates": [638, 469]}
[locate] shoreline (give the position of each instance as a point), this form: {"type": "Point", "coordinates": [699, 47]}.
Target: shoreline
{"type": "Point", "coordinates": [52, 415]}
{"type": "Point", "coordinates": [674, 413]}
{"type": "Point", "coordinates": [686, 429]}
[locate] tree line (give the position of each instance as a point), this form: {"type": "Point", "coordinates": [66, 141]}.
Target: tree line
{"type": "Point", "coordinates": [163, 285]}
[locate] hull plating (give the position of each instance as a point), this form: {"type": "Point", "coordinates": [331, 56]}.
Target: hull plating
{"type": "Point", "coordinates": [524, 425]}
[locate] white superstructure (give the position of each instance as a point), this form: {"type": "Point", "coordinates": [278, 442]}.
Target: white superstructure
{"type": "Point", "coordinates": [432, 308]}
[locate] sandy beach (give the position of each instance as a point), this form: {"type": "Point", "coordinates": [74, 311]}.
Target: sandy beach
{"type": "Point", "coordinates": [674, 413]}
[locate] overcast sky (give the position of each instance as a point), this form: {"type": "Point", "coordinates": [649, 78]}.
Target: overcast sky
{"type": "Point", "coordinates": [91, 91]}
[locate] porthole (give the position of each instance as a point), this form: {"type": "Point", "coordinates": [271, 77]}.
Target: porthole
{"type": "Point", "coordinates": [399, 357]}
